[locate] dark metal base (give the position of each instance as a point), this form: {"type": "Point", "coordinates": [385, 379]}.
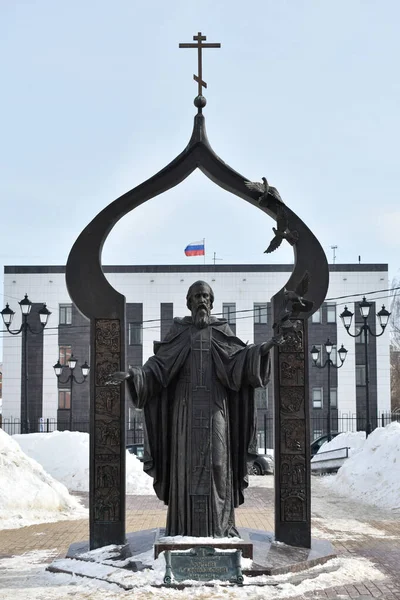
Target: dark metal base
{"type": "Point", "coordinates": [269, 557]}
{"type": "Point", "coordinates": [246, 546]}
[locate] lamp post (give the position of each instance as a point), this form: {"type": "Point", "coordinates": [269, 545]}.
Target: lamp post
{"type": "Point", "coordinates": [7, 315]}
{"type": "Point", "coordinates": [58, 369]}
{"type": "Point", "coordinates": [383, 316]}
{"type": "Point", "coordinates": [329, 363]}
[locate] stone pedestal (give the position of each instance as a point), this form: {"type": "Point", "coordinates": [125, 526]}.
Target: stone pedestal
{"type": "Point", "coordinates": [269, 556]}
{"type": "Point", "coordinates": [161, 544]}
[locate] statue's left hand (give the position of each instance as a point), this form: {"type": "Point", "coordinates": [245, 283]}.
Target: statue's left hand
{"type": "Point", "coordinates": [117, 378]}
{"type": "Point", "coordinates": [277, 340]}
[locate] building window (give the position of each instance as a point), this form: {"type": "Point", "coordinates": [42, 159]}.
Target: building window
{"type": "Point", "coordinates": [360, 375]}
{"type": "Point", "coordinates": [334, 355]}
{"type": "Point", "coordinates": [64, 399]}
{"type": "Point", "coordinates": [317, 433]}
{"type": "Point", "coordinates": [331, 313]}
{"type": "Point", "coordinates": [260, 313]}
{"type": "Point", "coordinates": [333, 397]}
{"type": "Point", "coordinates": [64, 354]}
{"type": "Point", "coordinates": [229, 313]}
{"type": "Point", "coordinates": [135, 334]}
{"type": "Point", "coordinates": [317, 394]}
{"type": "Point", "coordinates": [319, 348]}
{"type": "Point", "coordinates": [361, 338]}
{"type": "Point", "coordinates": [316, 317]}
{"type": "Point", "coordinates": [261, 398]}
{"type": "Point", "coordinates": [65, 316]}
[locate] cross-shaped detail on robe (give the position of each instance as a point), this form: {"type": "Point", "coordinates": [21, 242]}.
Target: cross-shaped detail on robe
{"type": "Point", "coordinates": [200, 418]}
{"type": "Point", "coordinates": [201, 369]}
{"type": "Point", "coordinates": [200, 505]}
{"type": "Point", "coordinates": [200, 39]}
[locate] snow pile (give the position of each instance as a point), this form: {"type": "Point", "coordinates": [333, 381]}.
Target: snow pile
{"type": "Point", "coordinates": [27, 493]}
{"type": "Point", "coordinates": [137, 481]}
{"type": "Point", "coordinates": [372, 473]}
{"type": "Point", "coordinates": [332, 455]}
{"type": "Point", "coordinates": [65, 455]}
{"type": "Point", "coordinates": [352, 440]}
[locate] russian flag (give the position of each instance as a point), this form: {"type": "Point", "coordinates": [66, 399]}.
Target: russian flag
{"type": "Point", "coordinates": [195, 249]}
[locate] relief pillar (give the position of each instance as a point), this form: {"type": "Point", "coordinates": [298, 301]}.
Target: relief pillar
{"type": "Point", "coordinates": [292, 441]}
{"type": "Point", "coordinates": [107, 436]}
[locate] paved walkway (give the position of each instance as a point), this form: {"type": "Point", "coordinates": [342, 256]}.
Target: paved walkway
{"type": "Point", "coordinates": [355, 530]}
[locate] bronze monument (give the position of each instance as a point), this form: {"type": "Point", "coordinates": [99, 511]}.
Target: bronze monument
{"type": "Point", "coordinates": [105, 307]}
{"type": "Point", "coordinates": [197, 396]}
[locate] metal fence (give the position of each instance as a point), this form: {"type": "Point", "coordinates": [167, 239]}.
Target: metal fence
{"type": "Point", "coordinates": [319, 426]}
{"type": "Point", "coordinates": [265, 433]}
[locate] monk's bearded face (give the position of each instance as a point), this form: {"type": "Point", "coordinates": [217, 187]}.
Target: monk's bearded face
{"type": "Point", "coordinates": [201, 307]}
{"type": "Point", "coordinates": [202, 317]}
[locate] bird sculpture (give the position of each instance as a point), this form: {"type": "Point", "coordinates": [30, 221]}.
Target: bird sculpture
{"type": "Point", "coordinates": [296, 298]}
{"type": "Point", "coordinates": [266, 192]}
{"type": "Point", "coordinates": [294, 304]}
{"type": "Point", "coordinates": [282, 232]}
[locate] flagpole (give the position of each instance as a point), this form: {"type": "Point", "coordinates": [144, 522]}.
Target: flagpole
{"type": "Point", "coordinates": [204, 242]}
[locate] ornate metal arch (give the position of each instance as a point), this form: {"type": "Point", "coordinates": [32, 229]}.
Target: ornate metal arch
{"type": "Point", "coordinates": [105, 307]}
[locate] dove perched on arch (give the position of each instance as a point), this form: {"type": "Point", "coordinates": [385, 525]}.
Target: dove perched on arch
{"type": "Point", "coordinates": [264, 190]}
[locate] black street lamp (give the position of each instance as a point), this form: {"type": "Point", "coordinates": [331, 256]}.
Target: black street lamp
{"type": "Point", "coordinates": [58, 368]}
{"type": "Point", "coordinates": [383, 316]}
{"type": "Point", "coordinates": [7, 314]}
{"type": "Point", "coordinates": [329, 363]}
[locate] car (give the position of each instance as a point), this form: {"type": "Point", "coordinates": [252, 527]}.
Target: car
{"type": "Point", "coordinates": [316, 444]}
{"type": "Point", "coordinates": [263, 465]}
{"type": "Point", "coordinates": [137, 450]}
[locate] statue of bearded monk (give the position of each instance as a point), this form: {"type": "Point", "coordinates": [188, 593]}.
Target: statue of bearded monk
{"type": "Point", "coordinates": [197, 394]}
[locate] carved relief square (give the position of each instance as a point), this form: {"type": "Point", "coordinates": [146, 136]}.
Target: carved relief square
{"type": "Point", "coordinates": [292, 471]}
{"type": "Point", "coordinates": [107, 475]}
{"type": "Point", "coordinates": [292, 399]}
{"type": "Point", "coordinates": [293, 506]}
{"type": "Point", "coordinates": [291, 369]}
{"type": "Point", "coordinates": [107, 505]}
{"type": "Point", "coordinates": [107, 437]}
{"type": "Point", "coordinates": [106, 364]}
{"type": "Point", "coordinates": [108, 335]}
{"type": "Point", "coordinates": [293, 435]}
{"type": "Point", "coordinates": [294, 342]}
{"type": "Point", "coordinates": [107, 401]}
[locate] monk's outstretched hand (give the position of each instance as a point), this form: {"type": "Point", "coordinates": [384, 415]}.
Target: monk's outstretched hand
{"type": "Point", "coordinates": [117, 378]}
{"type": "Point", "coordinates": [275, 341]}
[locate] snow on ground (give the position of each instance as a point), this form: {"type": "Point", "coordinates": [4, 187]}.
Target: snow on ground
{"type": "Point", "coordinates": [28, 494]}
{"type": "Point", "coordinates": [372, 472]}
{"type": "Point", "coordinates": [65, 455]}
{"type": "Point", "coordinates": [38, 584]}
{"type": "Point", "coordinates": [332, 455]}
{"type": "Point", "coordinates": [354, 440]}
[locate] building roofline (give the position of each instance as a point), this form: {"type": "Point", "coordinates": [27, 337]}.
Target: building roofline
{"type": "Point", "coordinates": [234, 268]}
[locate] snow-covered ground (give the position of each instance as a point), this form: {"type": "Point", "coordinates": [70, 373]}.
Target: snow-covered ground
{"type": "Point", "coordinates": [65, 456]}
{"type": "Point", "coordinates": [27, 493]}
{"type": "Point", "coordinates": [354, 440]}
{"type": "Point", "coordinates": [372, 472]}
{"type": "Point", "coordinates": [38, 584]}
{"type": "Point", "coordinates": [333, 454]}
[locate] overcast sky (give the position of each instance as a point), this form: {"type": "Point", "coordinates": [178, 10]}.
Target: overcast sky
{"type": "Point", "coordinates": [97, 97]}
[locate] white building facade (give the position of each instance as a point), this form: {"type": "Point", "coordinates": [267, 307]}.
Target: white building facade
{"type": "Point", "coordinates": [156, 294]}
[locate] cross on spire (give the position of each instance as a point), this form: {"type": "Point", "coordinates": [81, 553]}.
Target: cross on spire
{"type": "Point", "coordinates": [199, 39]}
